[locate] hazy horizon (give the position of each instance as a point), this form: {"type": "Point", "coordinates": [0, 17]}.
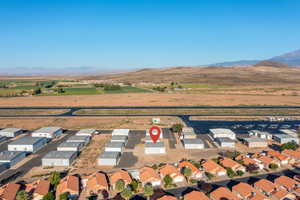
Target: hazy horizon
{"type": "Point", "coordinates": [120, 36]}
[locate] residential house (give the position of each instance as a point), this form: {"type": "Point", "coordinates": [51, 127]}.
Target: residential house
{"type": "Point", "coordinates": [287, 183]}
{"type": "Point", "coordinates": [148, 175]}
{"type": "Point", "coordinates": [283, 194]}
{"type": "Point", "coordinates": [229, 163]}
{"type": "Point", "coordinates": [167, 197]}
{"type": "Point", "coordinates": [248, 161]}
{"type": "Point", "coordinates": [41, 189]}
{"type": "Point", "coordinates": [196, 173]}
{"type": "Point", "coordinates": [213, 168]}
{"type": "Point", "coordinates": [95, 183]}
{"type": "Point", "coordinates": [265, 186]}
{"type": "Point", "coordinates": [70, 185]}
{"type": "Point", "coordinates": [284, 160]}
{"type": "Point", "coordinates": [195, 195]}
{"type": "Point", "coordinates": [9, 191]}
{"type": "Point", "coordinates": [172, 171]}
{"type": "Point", "coordinates": [266, 161]}
{"type": "Point", "coordinates": [120, 175]}
{"type": "Point", "coordinates": [223, 193]}
{"type": "Point", "coordinates": [246, 191]}
{"type": "Point", "coordinates": [292, 154]}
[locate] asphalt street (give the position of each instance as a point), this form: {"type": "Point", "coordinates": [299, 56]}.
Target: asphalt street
{"type": "Point", "coordinates": [71, 110]}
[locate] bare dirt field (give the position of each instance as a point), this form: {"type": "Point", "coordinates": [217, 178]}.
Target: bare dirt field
{"type": "Point", "coordinates": [75, 123]}
{"type": "Point", "coordinates": [151, 99]}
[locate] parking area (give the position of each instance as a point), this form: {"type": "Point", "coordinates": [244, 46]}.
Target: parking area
{"type": "Point", "coordinates": [135, 137]}
{"type": "Point", "coordinates": [168, 134]}
{"type": "Point", "coordinates": [127, 160]}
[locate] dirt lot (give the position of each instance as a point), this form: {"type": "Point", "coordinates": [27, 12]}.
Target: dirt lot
{"type": "Point", "coordinates": [153, 99]}
{"type": "Point", "coordinates": [75, 123]}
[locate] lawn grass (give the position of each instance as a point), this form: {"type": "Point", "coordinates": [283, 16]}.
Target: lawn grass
{"type": "Point", "coordinates": [25, 87]}
{"type": "Point", "coordinates": [127, 89]}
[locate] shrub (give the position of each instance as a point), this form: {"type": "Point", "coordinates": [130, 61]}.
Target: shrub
{"type": "Point", "coordinates": [120, 185]}
{"type": "Point", "coordinates": [273, 166]}
{"type": "Point", "coordinates": [127, 193]}
{"type": "Point", "coordinates": [22, 195]}
{"type": "Point", "coordinates": [49, 196]}
{"type": "Point", "coordinates": [230, 173]}
{"type": "Point", "coordinates": [64, 196]}
{"type": "Point", "coordinates": [209, 175]}
{"type": "Point", "coordinates": [177, 128]}
{"type": "Point", "coordinates": [240, 173]}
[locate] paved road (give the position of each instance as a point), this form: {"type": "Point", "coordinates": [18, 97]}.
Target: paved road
{"type": "Point", "coordinates": [71, 110]}
{"type": "Point", "coordinates": [12, 174]}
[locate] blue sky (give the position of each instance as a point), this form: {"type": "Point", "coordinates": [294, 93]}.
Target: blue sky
{"type": "Point", "coordinates": [126, 34]}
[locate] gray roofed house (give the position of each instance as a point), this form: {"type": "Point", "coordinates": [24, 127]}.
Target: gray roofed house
{"type": "Point", "coordinates": [59, 158]}
{"type": "Point", "coordinates": [225, 142]}
{"type": "Point", "coordinates": [27, 144]}
{"type": "Point", "coordinates": [48, 132]}
{"type": "Point", "coordinates": [155, 148]}
{"type": "Point", "coordinates": [109, 158]}
{"type": "Point", "coordinates": [284, 138]}
{"type": "Point", "coordinates": [11, 158]}
{"type": "Point", "coordinates": [114, 146]}
{"type": "Point", "coordinates": [11, 132]}
{"type": "Point", "coordinates": [70, 146]}
{"type": "Point", "coordinates": [86, 132]}
{"type": "Point", "coordinates": [222, 133]}
{"type": "Point", "coordinates": [119, 138]}
{"type": "Point", "coordinates": [193, 144]}
{"type": "Point", "coordinates": [84, 139]}
{"type": "Point", "coordinates": [255, 142]}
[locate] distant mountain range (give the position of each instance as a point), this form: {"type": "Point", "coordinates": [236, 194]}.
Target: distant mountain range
{"type": "Point", "coordinates": [291, 59]}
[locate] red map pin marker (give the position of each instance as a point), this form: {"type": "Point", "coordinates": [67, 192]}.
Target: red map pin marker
{"type": "Point", "coordinates": [154, 133]}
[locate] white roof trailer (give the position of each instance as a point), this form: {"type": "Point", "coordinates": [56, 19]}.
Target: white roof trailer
{"type": "Point", "coordinates": [124, 132]}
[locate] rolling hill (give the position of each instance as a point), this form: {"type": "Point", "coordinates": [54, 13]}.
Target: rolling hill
{"type": "Point", "coordinates": [258, 75]}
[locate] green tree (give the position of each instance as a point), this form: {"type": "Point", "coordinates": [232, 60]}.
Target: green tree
{"type": "Point", "coordinates": [127, 193]}
{"type": "Point", "coordinates": [64, 196]}
{"type": "Point", "coordinates": [209, 175]}
{"type": "Point", "coordinates": [22, 195]}
{"type": "Point", "coordinates": [177, 128]}
{"type": "Point", "coordinates": [289, 145]}
{"type": "Point", "coordinates": [120, 185]}
{"type": "Point", "coordinates": [168, 181]}
{"type": "Point", "coordinates": [49, 196]}
{"type": "Point", "coordinates": [240, 173]}
{"type": "Point", "coordinates": [60, 90]}
{"type": "Point", "coordinates": [187, 172]}
{"type": "Point", "coordinates": [135, 184]}
{"type": "Point", "coordinates": [54, 178]}
{"type": "Point", "coordinates": [37, 91]}
{"type": "Point", "coordinates": [148, 191]}
{"type": "Point", "coordinates": [230, 173]}
{"type": "Point", "coordinates": [273, 166]}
